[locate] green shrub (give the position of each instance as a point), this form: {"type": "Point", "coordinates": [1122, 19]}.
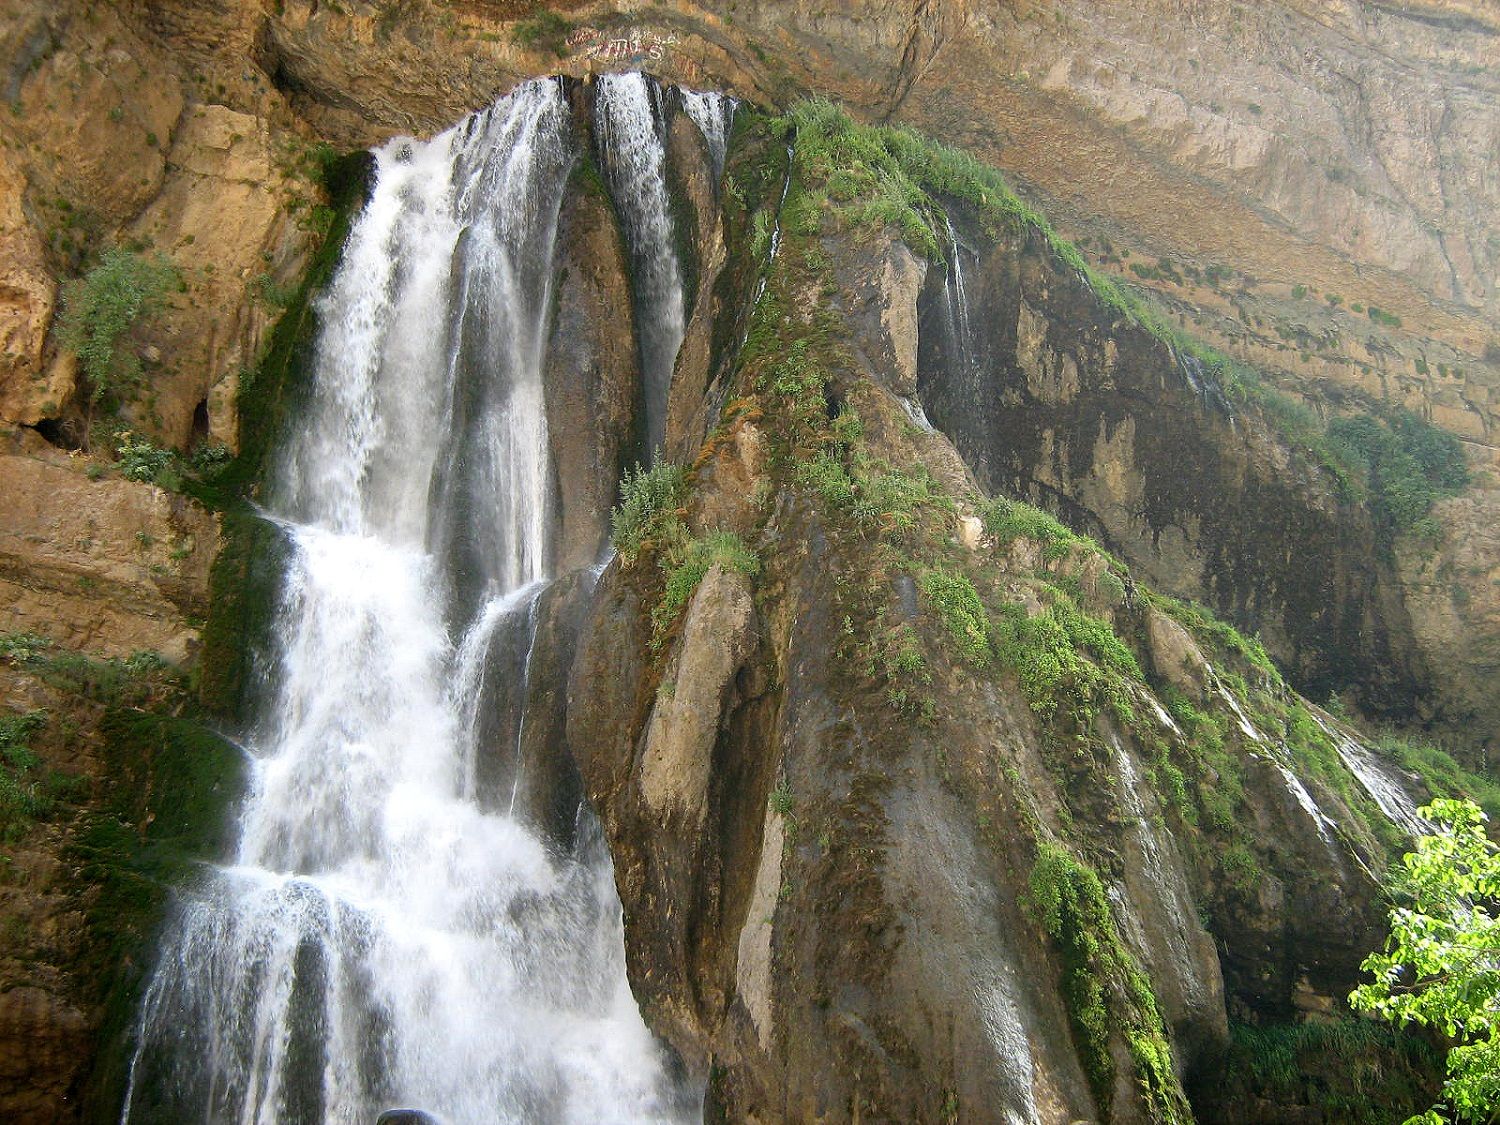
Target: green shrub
{"type": "Point", "coordinates": [1407, 463]}
{"type": "Point", "coordinates": [648, 500]}
{"type": "Point", "coordinates": [140, 460]}
{"type": "Point", "coordinates": [896, 656]}
{"type": "Point", "coordinates": [22, 648]}
{"type": "Point", "coordinates": [99, 311]}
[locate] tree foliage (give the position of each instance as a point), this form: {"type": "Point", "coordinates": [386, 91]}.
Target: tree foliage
{"type": "Point", "coordinates": [1441, 964]}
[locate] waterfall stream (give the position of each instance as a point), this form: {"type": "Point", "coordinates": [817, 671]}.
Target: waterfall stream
{"type": "Point", "coordinates": [633, 150]}
{"type": "Point", "coordinates": [389, 933]}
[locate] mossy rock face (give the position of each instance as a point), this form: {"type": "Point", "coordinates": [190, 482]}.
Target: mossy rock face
{"type": "Point", "coordinates": [171, 781]}
{"type": "Point", "coordinates": [244, 591]}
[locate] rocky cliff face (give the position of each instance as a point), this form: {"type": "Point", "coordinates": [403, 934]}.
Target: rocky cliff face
{"type": "Point", "coordinates": [845, 800]}
{"type": "Point", "coordinates": [843, 787]}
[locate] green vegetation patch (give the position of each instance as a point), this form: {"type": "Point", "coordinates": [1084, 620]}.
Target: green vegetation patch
{"type": "Point", "coordinates": [952, 594]}
{"type": "Point", "coordinates": [545, 31]}
{"type": "Point", "coordinates": [1440, 772]}
{"type": "Point", "coordinates": [1104, 987]}
{"type": "Point", "coordinates": [1351, 1070]}
{"type": "Point", "coordinates": [101, 308]}
{"type": "Point", "coordinates": [1406, 463]}
{"type": "Point", "coordinates": [685, 563]}
{"type": "Point", "coordinates": [648, 519]}
{"type": "Point", "coordinates": [29, 792]}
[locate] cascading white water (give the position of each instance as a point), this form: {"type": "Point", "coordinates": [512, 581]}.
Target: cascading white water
{"type": "Point", "coordinates": [713, 113]}
{"type": "Point", "coordinates": [1379, 780]}
{"type": "Point", "coordinates": [629, 123]}
{"type": "Point", "coordinates": [388, 933]}
{"type": "Point", "coordinates": [956, 300]}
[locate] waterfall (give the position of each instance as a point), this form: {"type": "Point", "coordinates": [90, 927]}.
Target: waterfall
{"type": "Point", "coordinates": [628, 118]}
{"type": "Point", "coordinates": [713, 113]}
{"type": "Point", "coordinates": [956, 303]}
{"type": "Point", "coordinates": [388, 933]}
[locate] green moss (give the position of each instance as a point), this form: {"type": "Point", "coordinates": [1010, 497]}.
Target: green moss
{"type": "Point", "coordinates": [1105, 990]}
{"type": "Point", "coordinates": [1007, 520]}
{"type": "Point", "coordinates": [163, 811]}
{"type": "Point", "coordinates": [1065, 655]}
{"type": "Point", "coordinates": [957, 603]}
{"type": "Point", "coordinates": [896, 660]}
{"type": "Point", "coordinates": [29, 792]}
{"type": "Point", "coordinates": [244, 588]}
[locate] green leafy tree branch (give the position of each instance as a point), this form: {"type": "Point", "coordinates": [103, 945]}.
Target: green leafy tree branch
{"type": "Point", "coordinates": [1441, 964]}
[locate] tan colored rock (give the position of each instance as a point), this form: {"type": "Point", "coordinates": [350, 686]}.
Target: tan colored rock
{"type": "Point", "coordinates": [221, 216]}
{"type": "Point", "coordinates": [970, 532]}
{"type": "Point", "coordinates": [718, 636]}
{"type": "Point", "coordinates": [27, 294]}
{"type": "Point", "coordinates": [900, 284]}
{"type": "Point", "coordinates": [1177, 656]}
{"type": "Point", "coordinates": [737, 470]}
{"type": "Point", "coordinates": [97, 107]}
{"type": "Point", "coordinates": [108, 566]}
{"type": "Point", "coordinates": [753, 961]}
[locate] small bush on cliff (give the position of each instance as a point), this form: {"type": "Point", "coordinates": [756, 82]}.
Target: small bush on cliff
{"type": "Point", "coordinates": [1441, 965]}
{"type": "Point", "coordinates": [648, 501]}
{"type": "Point", "coordinates": [1407, 463]}
{"type": "Point", "coordinates": [685, 564]}
{"type": "Point", "coordinates": [141, 460]}
{"type": "Point", "coordinates": [101, 308]}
